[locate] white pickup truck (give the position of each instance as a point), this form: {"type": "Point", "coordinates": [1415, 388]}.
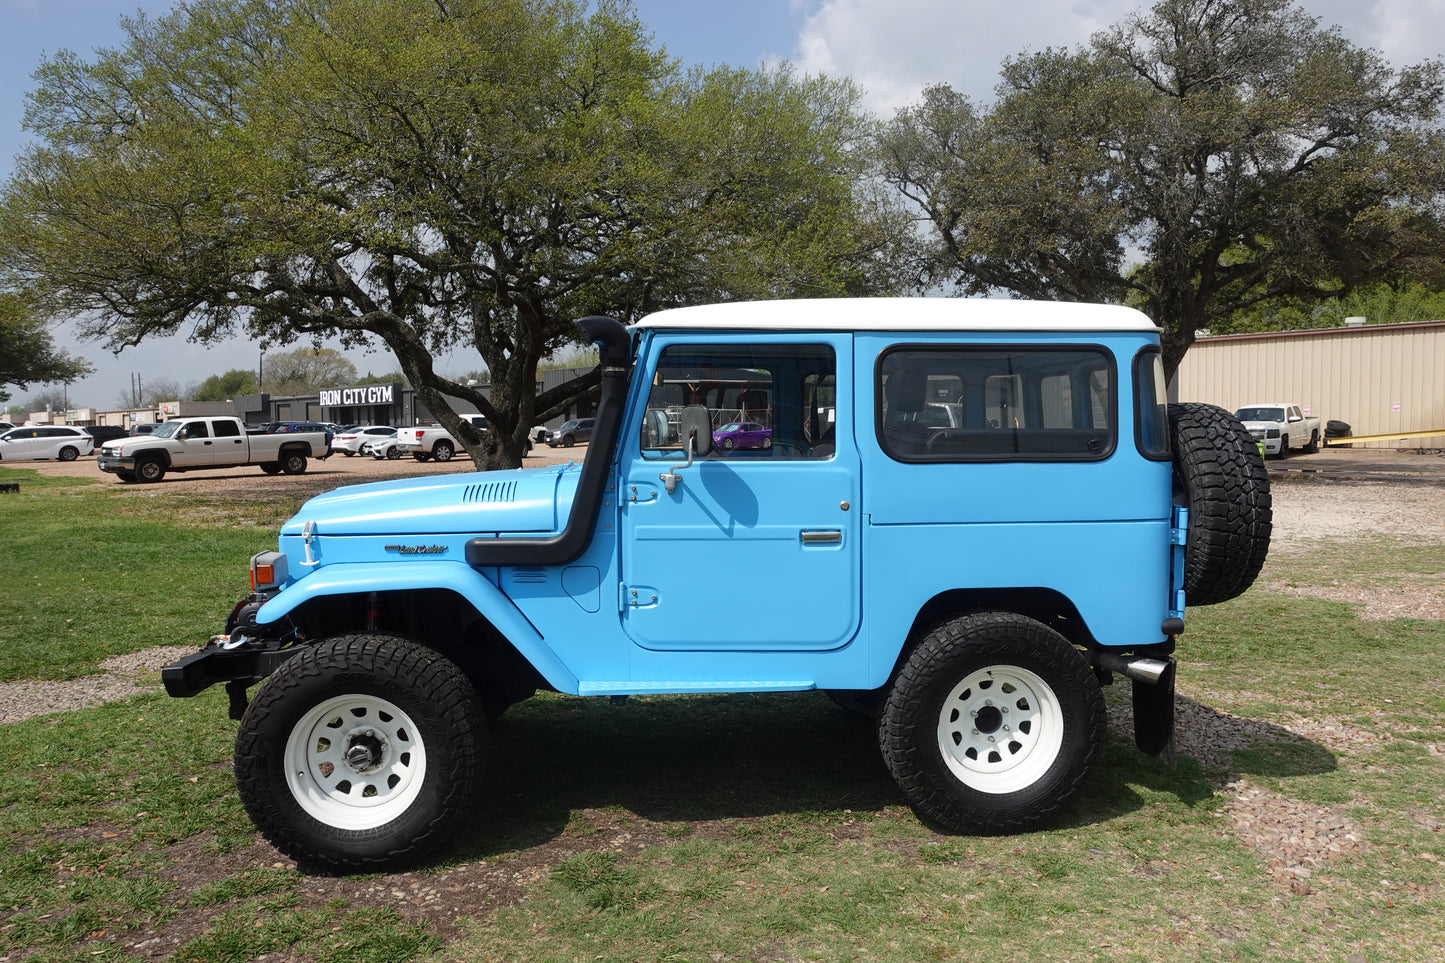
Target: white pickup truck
{"type": "Point", "coordinates": [1281, 427]}
{"type": "Point", "coordinates": [433, 441]}
{"type": "Point", "coordinates": [191, 444]}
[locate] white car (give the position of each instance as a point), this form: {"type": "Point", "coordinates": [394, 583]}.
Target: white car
{"type": "Point", "coordinates": [38, 442]}
{"type": "Point", "coordinates": [382, 448]}
{"type": "Point", "coordinates": [350, 442]}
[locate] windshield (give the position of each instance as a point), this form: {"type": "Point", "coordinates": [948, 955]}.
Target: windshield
{"type": "Point", "coordinates": [166, 430]}
{"type": "Point", "coordinates": [1260, 414]}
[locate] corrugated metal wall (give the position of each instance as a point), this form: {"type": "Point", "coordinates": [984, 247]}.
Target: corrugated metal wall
{"type": "Point", "coordinates": [1379, 378]}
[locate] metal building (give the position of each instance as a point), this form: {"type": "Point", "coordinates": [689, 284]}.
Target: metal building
{"type": "Point", "coordinates": [1382, 379]}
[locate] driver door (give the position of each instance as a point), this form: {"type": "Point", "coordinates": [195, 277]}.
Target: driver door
{"type": "Point", "coordinates": [758, 546]}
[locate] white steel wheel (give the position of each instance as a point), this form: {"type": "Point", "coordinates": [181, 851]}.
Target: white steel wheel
{"type": "Point", "coordinates": [1000, 729]}
{"type": "Point", "coordinates": [361, 752]}
{"type": "Point", "coordinates": [355, 762]}
{"type": "Point", "coordinates": [992, 723]}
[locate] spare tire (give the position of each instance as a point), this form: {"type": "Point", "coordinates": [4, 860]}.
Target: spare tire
{"type": "Point", "coordinates": [1220, 477]}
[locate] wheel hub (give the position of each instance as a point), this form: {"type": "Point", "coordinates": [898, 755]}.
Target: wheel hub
{"type": "Point", "coordinates": [364, 751]}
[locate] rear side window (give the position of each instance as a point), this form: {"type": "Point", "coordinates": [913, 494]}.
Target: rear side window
{"type": "Point", "coordinates": [996, 403]}
{"type": "Point", "coordinates": [226, 429]}
{"type": "Point", "coordinates": [1151, 406]}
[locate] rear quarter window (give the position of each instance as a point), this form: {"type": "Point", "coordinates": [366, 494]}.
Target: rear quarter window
{"type": "Point", "coordinates": [944, 403]}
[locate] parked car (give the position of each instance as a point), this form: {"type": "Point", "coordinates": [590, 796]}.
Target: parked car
{"type": "Point", "coordinates": [294, 426]}
{"type": "Point", "coordinates": [349, 442]}
{"type": "Point", "coordinates": [101, 434]}
{"type": "Point", "coordinates": [39, 442]}
{"type": "Point", "coordinates": [384, 447]}
{"type": "Point", "coordinates": [433, 441]}
{"type": "Point", "coordinates": [974, 594]}
{"type": "Point", "coordinates": [189, 444]}
{"type": "Point", "coordinates": [144, 428]}
{"type": "Point", "coordinates": [571, 432]}
{"type": "Point", "coordinates": [742, 434]}
{"type": "Point", "coordinates": [6, 426]}
{"type": "Point", "coordinates": [1281, 427]}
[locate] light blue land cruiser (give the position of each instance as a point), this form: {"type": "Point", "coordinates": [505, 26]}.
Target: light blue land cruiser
{"type": "Point", "coordinates": [967, 516]}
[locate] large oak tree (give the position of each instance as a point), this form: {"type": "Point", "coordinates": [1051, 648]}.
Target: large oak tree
{"type": "Point", "coordinates": [27, 352]}
{"type": "Point", "coordinates": [430, 173]}
{"type": "Point", "coordinates": [1203, 158]}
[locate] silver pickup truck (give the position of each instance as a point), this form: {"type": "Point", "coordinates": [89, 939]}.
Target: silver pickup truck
{"type": "Point", "coordinates": [192, 444]}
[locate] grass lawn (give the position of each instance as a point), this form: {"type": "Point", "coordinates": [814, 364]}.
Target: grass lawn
{"type": "Point", "coordinates": [745, 827]}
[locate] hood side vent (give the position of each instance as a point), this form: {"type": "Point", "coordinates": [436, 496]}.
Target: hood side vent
{"type": "Point", "coordinates": [490, 492]}
{"type": "Point", "coordinates": [529, 576]}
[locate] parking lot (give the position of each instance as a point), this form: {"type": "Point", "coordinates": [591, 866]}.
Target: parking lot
{"type": "Point", "coordinates": [320, 476]}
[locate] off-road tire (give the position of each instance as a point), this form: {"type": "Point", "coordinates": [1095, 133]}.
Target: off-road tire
{"type": "Point", "coordinates": [443, 451]}
{"type": "Point", "coordinates": [1220, 478]}
{"type": "Point", "coordinates": [150, 470]}
{"type": "Point", "coordinates": [415, 709]}
{"type": "Point", "coordinates": [1034, 682]}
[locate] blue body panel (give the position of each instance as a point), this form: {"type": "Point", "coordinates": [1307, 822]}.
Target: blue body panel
{"type": "Point", "coordinates": [765, 573]}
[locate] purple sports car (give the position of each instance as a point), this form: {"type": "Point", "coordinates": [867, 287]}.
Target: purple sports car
{"type": "Point", "coordinates": [743, 434]}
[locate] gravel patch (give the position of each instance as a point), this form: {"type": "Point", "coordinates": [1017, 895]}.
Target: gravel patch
{"type": "Point", "coordinates": [120, 676]}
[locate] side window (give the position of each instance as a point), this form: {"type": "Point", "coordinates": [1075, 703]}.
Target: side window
{"type": "Point", "coordinates": [1151, 406]}
{"type": "Point", "coordinates": [763, 401]}
{"type": "Point", "coordinates": [227, 429]}
{"type": "Point", "coordinates": [196, 429]}
{"type": "Point", "coordinates": [952, 404]}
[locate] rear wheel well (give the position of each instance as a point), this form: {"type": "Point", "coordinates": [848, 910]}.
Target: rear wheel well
{"type": "Point", "coordinates": [1046, 606]}
{"type": "Point", "coordinates": [440, 619]}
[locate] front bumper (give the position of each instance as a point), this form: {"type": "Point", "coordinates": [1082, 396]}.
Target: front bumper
{"type": "Point", "coordinates": [215, 663]}
{"type": "Point", "coordinates": [114, 463]}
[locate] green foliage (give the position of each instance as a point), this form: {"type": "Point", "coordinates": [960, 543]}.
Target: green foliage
{"type": "Point", "coordinates": [27, 353]}
{"type": "Point", "coordinates": [224, 387]}
{"type": "Point", "coordinates": [475, 173]}
{"type": "Point", "coordinates": [306, 370]}
{"type": "Point", "coordinates": [1378, 304]}
{"type": "Point", "coordinates": [1246, 155]}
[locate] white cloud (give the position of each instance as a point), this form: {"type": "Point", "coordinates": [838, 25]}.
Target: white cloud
{"type": "Point", "coordinates": [893, 48]}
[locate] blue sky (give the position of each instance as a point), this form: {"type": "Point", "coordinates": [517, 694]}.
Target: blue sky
{"type": "Point", "coordinates": [890, 47]}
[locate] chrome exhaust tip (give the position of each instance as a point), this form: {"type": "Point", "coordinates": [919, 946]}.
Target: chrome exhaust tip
{"type": "Point", "coordinates": [1140, 668]}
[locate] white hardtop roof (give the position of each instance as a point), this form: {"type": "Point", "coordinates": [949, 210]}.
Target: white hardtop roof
{"type": "Point", "coordinates": [903, 314]}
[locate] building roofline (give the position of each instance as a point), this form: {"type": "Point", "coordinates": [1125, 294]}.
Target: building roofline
{"type": "Point", "coordinates": [1320, 332]}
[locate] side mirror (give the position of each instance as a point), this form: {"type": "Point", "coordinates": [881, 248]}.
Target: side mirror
{"type": "Point", "coordinates": [695, 429]}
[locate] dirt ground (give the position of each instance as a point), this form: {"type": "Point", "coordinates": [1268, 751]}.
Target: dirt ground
{"type": "Point", "coordinates": [1333, 495]}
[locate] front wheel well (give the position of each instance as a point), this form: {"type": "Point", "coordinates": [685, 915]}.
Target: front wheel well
{"type": "Point", "coordinates": [440, 619]}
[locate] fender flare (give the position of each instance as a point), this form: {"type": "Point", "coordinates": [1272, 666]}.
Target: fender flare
{"type": "Point", "coordinates": [486, 598]}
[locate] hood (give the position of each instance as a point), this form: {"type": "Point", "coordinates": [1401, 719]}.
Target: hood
{"type": "Point", "coordinates": [516, 500]}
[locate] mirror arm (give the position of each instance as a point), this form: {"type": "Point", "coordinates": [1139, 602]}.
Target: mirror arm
{"type": "Point", "coordinates": [670, 478]}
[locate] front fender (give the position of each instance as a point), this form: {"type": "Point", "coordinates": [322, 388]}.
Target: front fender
{"type": "Point", "coordinates": [495, 607]}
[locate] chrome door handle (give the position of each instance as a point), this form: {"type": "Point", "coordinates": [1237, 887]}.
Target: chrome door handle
{"type": "Point", "coordinates": [833, 537]}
